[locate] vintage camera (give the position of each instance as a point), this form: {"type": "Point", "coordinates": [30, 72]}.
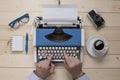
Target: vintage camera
{"type": "Point", "coordinates": [96, 18]}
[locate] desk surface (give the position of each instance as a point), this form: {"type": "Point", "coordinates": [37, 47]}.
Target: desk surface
{"type": "Point", "coordinates": [17, 66]}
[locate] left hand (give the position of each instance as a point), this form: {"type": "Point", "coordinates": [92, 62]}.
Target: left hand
{"type": "Point", "coordinates": [45, 68]}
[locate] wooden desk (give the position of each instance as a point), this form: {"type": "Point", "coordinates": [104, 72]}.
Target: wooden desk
{"type": "Point", "coordinates": [17, 66]}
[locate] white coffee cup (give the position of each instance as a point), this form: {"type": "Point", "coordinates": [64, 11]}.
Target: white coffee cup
{"type": "Point", "coordinates": [98, 47]}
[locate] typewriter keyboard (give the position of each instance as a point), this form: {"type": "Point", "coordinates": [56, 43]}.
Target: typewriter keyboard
{"type": "Point", "coordinates": [58, 53]}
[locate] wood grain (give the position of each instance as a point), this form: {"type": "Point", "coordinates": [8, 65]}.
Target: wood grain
{"type": "Point", "coordinates": [84, 5]}
{"type": "Point", "coordinates": [95, 74]}
{"type": "Point", "coordinates": [5, 48]}
{"type": "Point", "coordinates": [22, 60]}
{"type": "Point", "coordinates": [111, 19]}
{"type": "Point", "coordinates": [88, 33]}
{"type": "Point", "coordinates": [18, 65]}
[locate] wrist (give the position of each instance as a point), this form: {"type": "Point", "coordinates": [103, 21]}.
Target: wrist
{"type": "Point", "coordinates": [39, 75]}
{"type": "Point", "coordinates": [79, 75]}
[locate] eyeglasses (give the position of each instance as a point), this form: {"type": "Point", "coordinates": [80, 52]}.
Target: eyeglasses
{"type": "Point", "coordinates": [15, 24]}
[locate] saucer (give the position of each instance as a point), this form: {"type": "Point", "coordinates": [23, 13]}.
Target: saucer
{"type": "Point", "coordinates": [90, 50]}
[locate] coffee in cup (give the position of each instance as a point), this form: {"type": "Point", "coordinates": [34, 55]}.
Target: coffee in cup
{"type": "Point", "coordinates": [98, 47]}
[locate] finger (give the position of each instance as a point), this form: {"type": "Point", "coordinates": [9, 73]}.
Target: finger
{"type": "Point", "coordinates": [39, 64]}
{"type": "Point", "coordinates": [65, 64]}
{"type": "Point", "coordinates": [49, 59]}
{"type": "Point", "coordinates": [71, 61]}
{"type": "Point", "coordinates": [65, 55]}
{"type": "Point", "coordinates": [77, 60]}
{"type": "Point", "coordinates": [68, 61]}
{"type": "Point", "coordinates": [52, 68]}
{"type": "Point", "coordinates": [74, 60]}
{"type": "Point", "coordinates": [44, 65]}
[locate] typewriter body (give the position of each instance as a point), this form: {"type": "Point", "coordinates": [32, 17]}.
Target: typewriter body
{"type": "Point", "coordinates": [58, 31]}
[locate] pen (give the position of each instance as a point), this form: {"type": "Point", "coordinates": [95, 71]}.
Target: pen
{"type": "Point", "coordinates": [26, 45]}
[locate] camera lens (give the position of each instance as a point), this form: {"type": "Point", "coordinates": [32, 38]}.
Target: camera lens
{"type": "Point", "coordinates": [97, 18]}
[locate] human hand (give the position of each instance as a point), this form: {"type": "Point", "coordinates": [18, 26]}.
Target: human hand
{"type": "Point", "coordinates": [45, 68]}
{"type": "Point", "coordinates": [73, 65]}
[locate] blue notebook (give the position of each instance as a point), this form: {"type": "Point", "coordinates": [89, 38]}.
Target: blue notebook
{"type": "Point", "coordinates": [75, 40]}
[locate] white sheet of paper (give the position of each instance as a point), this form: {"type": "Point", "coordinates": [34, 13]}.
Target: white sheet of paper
{"type": "Point", "coordinates": [63, 14]}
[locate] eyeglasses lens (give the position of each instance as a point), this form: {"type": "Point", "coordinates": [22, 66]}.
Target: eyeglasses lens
{"type": "Point", "coordinates": [24, 20]}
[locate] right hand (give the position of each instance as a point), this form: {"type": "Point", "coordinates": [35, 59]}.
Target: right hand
{"type": "Point", "coordinates": [73, 65]}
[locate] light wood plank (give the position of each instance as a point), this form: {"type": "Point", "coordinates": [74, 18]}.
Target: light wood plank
{"type": "Point", "coordinates": [108, 34]}
{"type": "Point", "coordinates": [111, 19]}
{"type": "Point", "coordinates": [85, 27]}
{"type": "Point", "coordinates": [108, 61]}
{"type": "Point", "coordinates": [15, 60]}
{"type": "Point", "coordinates": [102, 6]}
{"type": "Point", "coordinates": [14, 73]}
{"type": "Point", "coordinates": [22, 74]}
{"type": "Point", "coordinates": [6, 17]}
{"type": "Point", "coordinates": [104, 74]}
{"type": "Point", "coordinates": [23, 6]}
{"type": "Point", "coordinates": [9, 33]}
{"type": "Point", "coordinates": [114, 48]}
{"type": "Point", "coordinates": [18, 65]}
{"type": "Point", "coordinates": [84, 5]}
{"type": "Point", "coordinates": [102, 28]}
{"type": "Point", "coordinates": [94, 74]}
{"type": "Point", "coordinates": [5, 48]}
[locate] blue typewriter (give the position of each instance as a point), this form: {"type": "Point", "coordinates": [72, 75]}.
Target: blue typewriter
{"type": "Point", "coordinates": [59, 31]}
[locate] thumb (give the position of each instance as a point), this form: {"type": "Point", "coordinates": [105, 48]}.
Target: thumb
{"type": "Point", "coordinates": [66, 60]}
{"type": "Point", "coordinates": [52, 68]}
{"type": "Point", "coordinates": [65, 64]}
